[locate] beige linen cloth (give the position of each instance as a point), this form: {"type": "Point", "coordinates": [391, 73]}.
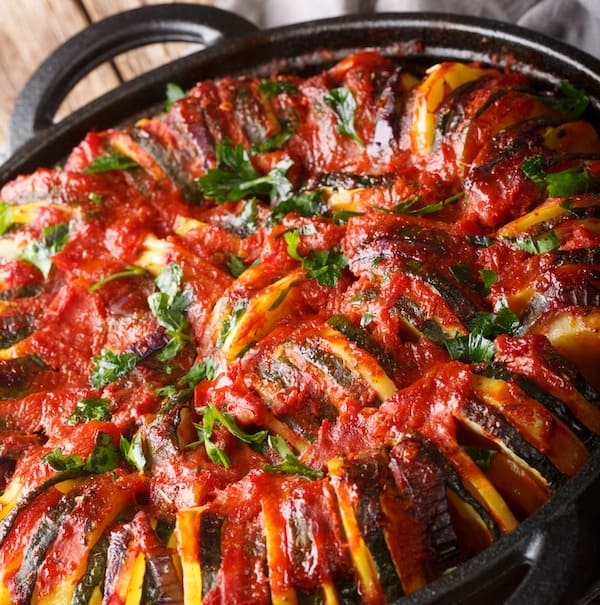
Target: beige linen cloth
{"type": "Point", "coordinates": [576, 22]}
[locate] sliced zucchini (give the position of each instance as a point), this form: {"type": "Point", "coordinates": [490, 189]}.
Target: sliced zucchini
{"type": "Point", "coordinates": [365, 566]}
{"type": "Point", "coordinates": [89, 588]}
{"type": "Point", "coordinates": [441, 80]}
{"type": "Point", "coordinates": [575, 333]}
{"type": "Point", "coordinates": [98, 504]}
{"type": "Point", "coordinates": [278, 563]}
{"type": "Point", "coordinates": [248, 325]}
{"type": "Point", "coordinates": [22, 584]}
{"type": "Point", "coordinates": [13, 547]}
{"type": "Point", "coordinates": [537, 436]}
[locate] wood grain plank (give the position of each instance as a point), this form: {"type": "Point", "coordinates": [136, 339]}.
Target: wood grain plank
{"type": "Point", "coordinates": [140, 60]}
{"type": "Point", "coordinates": [29, 31]}
{"type": "Point", "coordinates": [49, 23]}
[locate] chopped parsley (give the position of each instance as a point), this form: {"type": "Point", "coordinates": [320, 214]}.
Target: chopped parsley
{"type": "Point", "coordinates": [481, 457]}
{"type": "Point", "coordinates": [169, 306]}
{"type": "Point", "coordinates": [572, 104]}
{"type": "Point", "coordinates": [246, 222]}
{"type": "Point", "coordinates": [576, 180]}
{"type": "Point", "coordinates": [478, 345]}
{"type": "Point", "coordinates": [236, 265]}
{"type": "Point", "coordinates": [323, 265]}
{"type": "Point", "coordinates": [307, 203]}
{"type": "Point", "coordinates": [213, 415]}
{"type": "Point", "coordinates": [544, 243]}
{"type": "Point", "coordinates": [204, 370]}
{"type": "Point", "coordinates": [237, 310]}
{"type": "Point", "coordinates": [406, 206]}
{"type": "Point", "coordinates": [114, 161]}
{"type": "Point", "coordinates": [110, 367]}
{"type": "Point", "coordinates": [174, 92]}
{"type": "Point", "coordinates": [91, 408]}
{"type": "Point", "coordinates": [39, 251]}
{"type": "Point", "coordinates": [235, 177]}
{"type": "Point", "coordinates": [342, 101]}
{"type": "Point", "coordinates": [130, 271]}
{"type": "Point", "coordinates": [133, 451]}
{"type": "Point", "coordinates": [272, 88]}
{"type": "Point", "coordinates": [102, 459]}
{"type": "Point", "coordinates": [290, 463]}
{"type": "Point", "coordinates": [274, 142]}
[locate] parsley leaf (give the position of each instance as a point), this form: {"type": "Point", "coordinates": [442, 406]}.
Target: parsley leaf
{"type": "Point", "coordinates": [572, 104]}
{"type": "Point", "coordinates": [481, 457]}
{"type": "Point", "coordinates": [102, 459]}
{"type": "Point", "coordinates": [129, 271]}
{"type": "Point", "coordinates": [342, 101]}
{"type": "Point", "coordinates": [246, 222]}
{"type": "Point", "coordinates": [576, 180]}
{"type": "Point", "coordinates": [110, 367]}
{"type": "Point", "coordinates": [236, 265]}
{"type": "Point", "coordinates": [472, 347]}
{"type": "Point", "coordinates": [169, 306]}
{"type": "Point", "coordinates": [237, 310]}
{"type": "Point", "coordinates": [322, 265]}
{"type": "Point", "coordinates": [205, 370]}
{"type": "Point", "coordinates": [480, 241]}
{"type": "Point", "coordinates": [212, 415]}
{"type": "Point", "coordinates": [236, 177]}
{"type": "Point", "coordinates": [342, 216]}
{"type": "Point", "coordinates": [307, 203]}
{"type": "Point", "coordinates": [544, 243]}
{"type": "Point", "coordinates": [272, 88]}
{"type": "Point", "coordinates": [174, 92]}
{"type": "Point", "coordinates": [133, 452]}
{"type": "Point", "coordinates": [39, 251]}
{"type": "Point", "coordinates": [274, 142]}
{"type": "Point", "coordinates": [325, 265]}
{"type": "Point", "coordinates": [406, 206]}
{"type": "Point", "coordinates": [90, 408]}
{"type": "Point", "coordinates": [290, 463]}
{"type": "Point", "coordinates": [478, 346]}
{"type": "Point", "coordinates": [104, 163]}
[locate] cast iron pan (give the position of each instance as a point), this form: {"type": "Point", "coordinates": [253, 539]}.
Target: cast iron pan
{"type": "Point", "coordinates": [554, 556]}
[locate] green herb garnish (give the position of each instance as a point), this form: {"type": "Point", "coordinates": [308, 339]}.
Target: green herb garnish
{"type": "Point", "coordinates": [133, 451]}
{"type": "Point", "coordinates": [290, 463]}
{"type": "Point", "coordinates": [342, 101]}
{"type": "Point", "coordinates": [572, 104]}
{"type": "Point", "coordinates": [274, 142]}
{"type": "Point", "coordinates": [237, 310]}
{"type": "Point", "coordinates": [102, 459]}
{"type": "Point", "coordinates": [481, 457]}
{"type": "Point", "coordinates": [307, 203]}
{"type": "Point", "coordinates": [236, 265]}
{"type": "Point", "coordinates": [272, 88]}
{"type": "Point", "coordinates": [323, 265]}
{"type": "Point", "coordinates": [235, 177]}
{"type": "Point", "coordinates": [110, 367]}
{"type": "Point", "coordinates": [104, 163]}
{"type": "Point", "coordinates": [90, 408]}
{"type": "Point", "coordinates": [130, 271]}
{"type": "Point", "coordinates": [212, 415]}
{"type": "Point", "coordinates": [169, 306]}
{"type": "Point", "coordinates": [39, 251]}
{"type": "Point", "coordinates": [544, 243]}
{"type": "Point", "coordinates": [481, 241]}
{"type": "Point", "coordinates": [478, 345]}
{"type": "Point", "coordinates": [204, 370]}
{"type": "Point", "coordinates": [174, 92]}
{"type": "Point", "coordinates": [576, 180]}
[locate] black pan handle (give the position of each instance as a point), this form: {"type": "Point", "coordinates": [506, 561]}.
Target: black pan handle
{"type": "Point", "coordinates": [44, 92]}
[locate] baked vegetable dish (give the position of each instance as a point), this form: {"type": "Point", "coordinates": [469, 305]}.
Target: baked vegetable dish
{"type": "Point", "coordinates": [297, 340]}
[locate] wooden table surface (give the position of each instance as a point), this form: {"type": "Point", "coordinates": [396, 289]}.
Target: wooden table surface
{"type": "Point", "coordinates": [49, 23]}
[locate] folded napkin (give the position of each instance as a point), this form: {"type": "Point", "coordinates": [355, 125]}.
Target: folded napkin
{"type": "Point", "coordinates": [576, 22]}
